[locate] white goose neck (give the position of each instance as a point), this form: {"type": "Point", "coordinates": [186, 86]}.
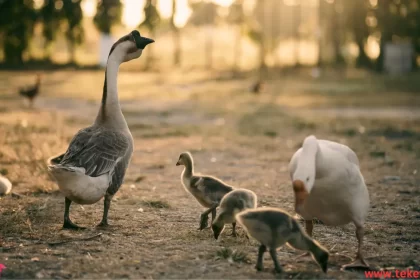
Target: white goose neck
{"type": "Point", "coordinates": [306, 166]}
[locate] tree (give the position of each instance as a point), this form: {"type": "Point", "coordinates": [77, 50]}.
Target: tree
{"type": "Point", "coordinates": [336, 30]}
{"type": "Point", "coordinates": [205, 15]}
{"type": "Point", "coordinates": [297, 10]}
{"type": "Point", "coordinates": [356, 23]}
{"type": "Point", "coordinates": [74, 30]}
{"type": "Point", "coordinates": [17, 19]}
{"type": "Point", "coordinates": [108, 14]}
{"type": "Point", "coordinates": [50, 17]}
{"type": "Point", "coordinates": [176, 36]}
{"type": "Point", "coordinates": [151, 22]}
{"type": "Point", "coordinates": [236, 17]}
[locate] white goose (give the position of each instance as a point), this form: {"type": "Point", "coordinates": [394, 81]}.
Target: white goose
{"type": "Point", "coordinates": [329, 186]}
{"type": "Point", "coordinates": [95, 162]}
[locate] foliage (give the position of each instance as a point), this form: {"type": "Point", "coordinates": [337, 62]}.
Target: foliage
{"type": "Point", "coordinates": [17, 19]}
{"type": "Point", "coordinates": [50, 16]}
{"type": "Point", "coordinates": [151, 16]}
{"type": "Point", "coordinates": [108, 14]}
{"type": "Point", "coordinates": [204, 13]}
{"type": "Point", "coordinates": [74, 17]}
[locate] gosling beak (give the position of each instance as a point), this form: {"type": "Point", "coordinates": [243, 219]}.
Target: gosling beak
{"type": "Point", "coordinates": [141, 42]}
{"type": "Point", "coordinates": [300, 194]}
{"type": "Point", "coordinates": [177, 163]}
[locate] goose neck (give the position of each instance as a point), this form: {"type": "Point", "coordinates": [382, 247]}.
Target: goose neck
{"type": "Point", "coordinates": [189, 169]}
{"type": "Point", "coordinates": [110, 111]}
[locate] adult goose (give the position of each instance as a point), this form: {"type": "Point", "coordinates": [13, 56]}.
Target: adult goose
{"type": "Point", "coordinates": [95, 162]}
{"type": "Point", "coordinates": [329, 186]}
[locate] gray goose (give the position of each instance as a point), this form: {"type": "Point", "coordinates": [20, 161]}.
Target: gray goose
{"type": "Point", "coordinates": [96, 160]}
{"type": "Point", "coordinates": [273, 228]}
{"type": "Point", "coordinates": [233, 203]}
{"type": "Point", "coordinates": [208, 190]}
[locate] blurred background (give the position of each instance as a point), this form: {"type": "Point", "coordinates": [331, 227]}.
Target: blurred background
{"type": "Point", "coordinates": [215, 34]}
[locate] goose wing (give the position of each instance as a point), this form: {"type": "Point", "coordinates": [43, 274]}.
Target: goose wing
{"type": "Point", "coordinates": [96, 150]}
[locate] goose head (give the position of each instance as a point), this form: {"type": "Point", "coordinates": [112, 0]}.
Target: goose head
{"type": "Point", "coordinates": [129, 47]}
{"type": "Point", "coordinates": [303, 179]}
{"type": "Point", "coordinates": [184, 159]}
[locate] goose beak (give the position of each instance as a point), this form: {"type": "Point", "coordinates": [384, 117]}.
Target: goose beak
{"type": "Point", "coordinates": [141, 42]}
{"type": "Point", "coordinates": [300, 194]}
{"type": "Point", "coordinates": [177, 163]}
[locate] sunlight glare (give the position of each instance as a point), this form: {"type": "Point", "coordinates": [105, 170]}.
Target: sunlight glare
{"type": "Point", "coordinates": [133, 13]}
{"type": "Point", "coordinates": [89, 8]}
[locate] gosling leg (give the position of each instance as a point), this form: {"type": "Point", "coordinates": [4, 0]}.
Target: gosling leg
{"type": "Point", "coordinates": [261, 251]}
{"type": "Point", "coordinates": [273, 255]}
{"type": "Point", "coordinates": [204, 217]}
{"type": "Point", "coordinates": [234, 234]}
{"type": "Point", "coordinates": [68, 224]}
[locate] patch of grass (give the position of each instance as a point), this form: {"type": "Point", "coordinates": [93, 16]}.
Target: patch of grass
{"type": "Point", "coordinates": [415, 209]}
{"type": "Point", "coordinates": [406, 146]}
{"type": "Point", "coordinates": [377, 154]}
{"type": "Point", "coordinates": [270, 133]}
{"type": "Point", "coordinates": [4, 171]}
{"type": "Point", "coordinates": [232, 255]}
{"type": "Point", "coordinates": [157, 204]}
{"type": "Point", "coordinates": [394, 133]}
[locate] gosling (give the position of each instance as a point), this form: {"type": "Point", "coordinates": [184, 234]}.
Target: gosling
{"type": "Point", "coordinates": [272, 228]}
{"type": "Point", "coordinates": [208, 191]}
{"type": "Point", "coordinates": [233, 203]}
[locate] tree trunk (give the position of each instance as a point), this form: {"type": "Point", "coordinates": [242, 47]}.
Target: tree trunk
{"type": "Point", "coordinates": [263, 42]}
{"type": "Point", "coordinates": [237, 49]}
{"type": "Point", "coordinates": [72, 50]}
{"type": "Point", "coordinates": [320, 31]}
{"type": "Point", "coordinates": [176, 36]}
{"type": "Point", "coordinates": [150, 53]}
{"type": "Point", "coordinates": [209, 47]}
{"type": "Point", "coordinates": [336, 29]}
{"type": "Point", "coordinates": [297, 20]}
{"type": "Point", "coordinates": [383, 14]}
{"type": "Point", "coordinates": [177, 47]}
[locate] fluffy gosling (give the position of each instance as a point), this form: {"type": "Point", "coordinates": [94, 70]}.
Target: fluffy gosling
{"type": "Point", "coordinates": [208, 191]}
{"type": "Point", "coordinates": [273, 228]}
{"type": "Point", "coordinates": [233, 203]}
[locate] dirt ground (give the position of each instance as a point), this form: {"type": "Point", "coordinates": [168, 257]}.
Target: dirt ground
{"type": "Point", "coordinates": [245, 139]}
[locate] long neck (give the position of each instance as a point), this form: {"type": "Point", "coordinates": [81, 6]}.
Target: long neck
{"type": "Point", "coordinates": [110, 111]}
{"type": "Point", "coordinates": [189, 168]}
{"type": "Point", "coordinates": [307, 161]}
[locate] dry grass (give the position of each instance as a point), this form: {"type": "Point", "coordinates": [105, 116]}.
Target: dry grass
{"type": "Point", "coordinates": [243, 139]}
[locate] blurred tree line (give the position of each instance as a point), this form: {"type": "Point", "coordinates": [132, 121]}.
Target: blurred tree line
{"type": "Point", "coordinates": [270, 22]}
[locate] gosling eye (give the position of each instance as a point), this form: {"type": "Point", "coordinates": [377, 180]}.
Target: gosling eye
{"type": "Point", "coordinates": [307, 179]}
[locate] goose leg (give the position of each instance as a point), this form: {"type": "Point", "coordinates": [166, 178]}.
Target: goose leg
{"type": "Point", "coordinates": [68, 224]}
{"type": "Point", "coordinates": [309, 226]}
{"type": "Point", "coordinates": [261, 251]}
{"type": "Point", "coordinates": [107, 204]}
{"type": "Point", "coordinates": [360, 262]}
{"type": "Point", "coordinates": [273, 255]}
{"type": "Point", "coordinates": [204, 217]}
